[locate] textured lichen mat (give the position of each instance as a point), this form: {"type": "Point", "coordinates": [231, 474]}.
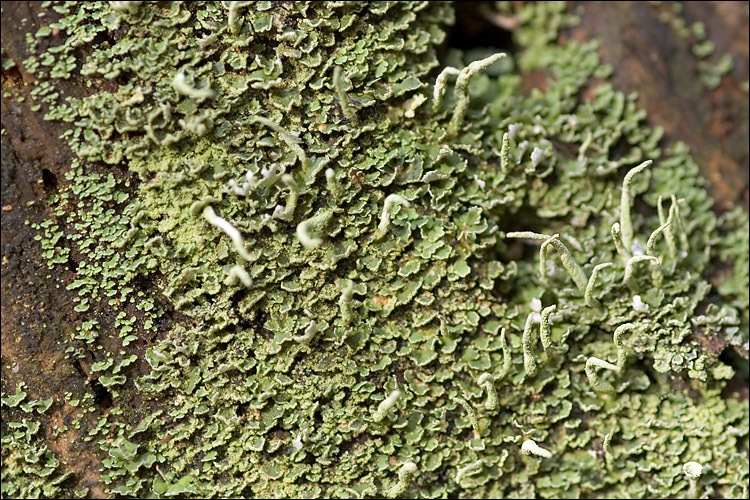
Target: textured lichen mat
{"type": "Point", "coordinates": [374, 274]}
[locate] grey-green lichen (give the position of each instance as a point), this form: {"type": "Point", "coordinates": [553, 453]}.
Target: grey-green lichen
{"type": "Point", "coordinates": [346, 302]}
{"type": "Point", "coordinates": [25, 455]}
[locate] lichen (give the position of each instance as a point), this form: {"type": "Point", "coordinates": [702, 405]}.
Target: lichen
{"type": "Point", "coordinates": [351, 357]}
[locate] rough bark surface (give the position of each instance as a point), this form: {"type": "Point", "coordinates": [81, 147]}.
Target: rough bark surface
{"type": "Point", "coordinates": [37, 310]}
{"type": "Point", "coordinates": [649, 58]}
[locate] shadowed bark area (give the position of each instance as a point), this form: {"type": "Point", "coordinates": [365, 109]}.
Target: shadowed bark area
{"type": "Point", "coordinates": [649, 57]}
{"type": "Point", "coordinates": [38, 312]}
{"type": "Point", "coordinates": [38, 317]}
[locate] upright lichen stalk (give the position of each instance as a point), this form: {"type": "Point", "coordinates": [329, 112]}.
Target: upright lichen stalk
{"type": "Point", "coordinates": [462, 89]}
{"type": "Point", "coordinates": [626, 224]}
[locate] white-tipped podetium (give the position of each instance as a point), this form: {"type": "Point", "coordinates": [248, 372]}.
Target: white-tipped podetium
{"type": "Point", "coordinates": [530, 447]}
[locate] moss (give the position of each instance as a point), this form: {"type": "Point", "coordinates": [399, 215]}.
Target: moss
{"type": "Point", "coordinates": [414, 306]}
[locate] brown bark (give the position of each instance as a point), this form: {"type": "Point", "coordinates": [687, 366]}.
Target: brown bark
{"type": "Point", "coordinates": [38, 318]}
{"type": "Point", "coordinates": [649, 57]}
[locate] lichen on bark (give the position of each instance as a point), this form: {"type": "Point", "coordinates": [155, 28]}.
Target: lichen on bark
{"type": "Point", "coordinates": [343, 359]}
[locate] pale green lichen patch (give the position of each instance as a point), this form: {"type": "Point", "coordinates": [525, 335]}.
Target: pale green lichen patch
{"type": "Point", "coordinates": [366, 354]}
{"type": "Point", "coordinates": [24, 453]}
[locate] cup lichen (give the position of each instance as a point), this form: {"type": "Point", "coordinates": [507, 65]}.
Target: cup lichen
{"type": "Point", "coordinates": [247, 406]}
